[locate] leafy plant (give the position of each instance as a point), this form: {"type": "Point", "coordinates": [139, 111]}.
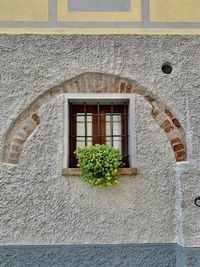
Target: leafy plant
{"type": "Point", "coordinates": [99, 164]}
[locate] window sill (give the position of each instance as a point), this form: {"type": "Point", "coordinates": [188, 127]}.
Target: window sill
{"type": "Point", "coordinates": [77, 172]}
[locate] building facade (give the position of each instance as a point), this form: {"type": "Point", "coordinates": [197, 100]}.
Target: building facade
{"type": "Point", "coordinates": [48, 215]}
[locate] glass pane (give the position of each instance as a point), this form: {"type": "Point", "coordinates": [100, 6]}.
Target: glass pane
{"type": "Point", "coordinates": [117, 129]}
{"type": "Point", "coordinates": [108, 130]}
{"type": "Point", "coordinates": [117, 124]}
{"type": "Point", "coordinates": [81, 131]}
{"type": "Point", "coordinates": [89, 141]}
{"type": "Point", "coordinates": [80, 142]}
{"type": "Point", "coordinates": [117, 141]}
{"type": "Point", "coordinates": [108, 141]}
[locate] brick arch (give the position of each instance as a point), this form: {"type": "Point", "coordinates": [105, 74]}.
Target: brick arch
{"type": "Point", "coordinates": [28, 120]}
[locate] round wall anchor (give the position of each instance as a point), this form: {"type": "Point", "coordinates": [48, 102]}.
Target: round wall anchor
{"type": "Point", "coordinates": [197, 201]}
{"type": "Point", "coordinates": [167, 68]}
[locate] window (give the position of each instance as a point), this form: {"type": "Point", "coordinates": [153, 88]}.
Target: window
{"type": "Point", "coordinates": [98, 123]}
{"type": "Point", "coordinates": [104, 118]}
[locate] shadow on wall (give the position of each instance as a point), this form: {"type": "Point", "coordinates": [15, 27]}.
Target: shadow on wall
{"type": "Point", "coordinates": [28, 120]}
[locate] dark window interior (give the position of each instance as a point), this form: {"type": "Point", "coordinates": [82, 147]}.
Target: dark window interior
{"type": "Point", "coordinates": [98, 124]}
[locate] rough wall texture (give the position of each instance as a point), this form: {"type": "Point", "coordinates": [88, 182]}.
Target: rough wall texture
{"type": "Point", "coordinates": [88, 256]}
{"type": "Point", "coordinates": [97, 83]}
{"type": "Point", "coordinates": [38, 205]}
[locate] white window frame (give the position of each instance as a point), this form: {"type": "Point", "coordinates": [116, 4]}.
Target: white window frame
{"type": "Point", "coordinates": [102, 96]}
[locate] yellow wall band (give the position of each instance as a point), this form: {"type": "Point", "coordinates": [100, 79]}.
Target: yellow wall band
{"type": "Point", "coordinates": [97, 31]}
{"type": "Point", "coordinates": [24, 10]}
{"type": "Point", "coordinates": [145, 17]}
{"type": "Point", "coordinates": [175, 10]}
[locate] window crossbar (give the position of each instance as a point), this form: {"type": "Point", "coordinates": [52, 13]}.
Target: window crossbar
{"type": "Point", "coordinates": [100, 124]}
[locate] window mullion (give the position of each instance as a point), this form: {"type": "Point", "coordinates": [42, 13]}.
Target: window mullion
{"type": "Point", "coordinates": [85, 121]}
{"type": "Point", "coordinates": [125, 135]}
{"type": "Point", "coordinates": [98, 123]}
{"type": "Point", "coordinates": [94, 125]}
{"type": "Point", "coordinates": [124, 143]}
{"type": "Point", "coordinates": [111, 124]}
{"type": "Point", "coordinates": [103, 127]}
{"type": "Point", "coordinates": [73, 136]}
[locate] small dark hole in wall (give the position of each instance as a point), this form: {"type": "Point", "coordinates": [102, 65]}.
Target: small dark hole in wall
{"type": "Point", "coordinates": [197, 201]}
{"type": "Point", "coordinates": [167, 68]}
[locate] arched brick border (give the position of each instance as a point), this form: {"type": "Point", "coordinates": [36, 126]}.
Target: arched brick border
{"type": "Point", "coordinates": [28, 120]}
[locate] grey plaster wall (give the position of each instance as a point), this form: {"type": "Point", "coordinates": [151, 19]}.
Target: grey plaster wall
{"type": "Point", "coordinates": [147, 255]}
{"type": "Point", "coordinates": [38, 206]}
{"type": "Point", "coordinates": [131, 255]}
{"type": "Point", "coordinates": [99, 5]}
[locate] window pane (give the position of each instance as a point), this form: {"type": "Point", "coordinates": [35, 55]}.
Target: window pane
{"type": "Point", "coordinates": [83, 122]}
{"type": "Point", "coordinates": [117, 129]}
{"type": "Point", "coordinates": [117, 124]}
{"type": "Point", "coordinates": [117, 141]}
{"type": "Point", "coordinates": [108, 130]}
{"type": "Point", "coordinates": [108, 141]}
{"type": "Point", "coordinates": [80, 142]}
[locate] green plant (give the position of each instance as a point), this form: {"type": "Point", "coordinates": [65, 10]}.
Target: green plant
{"type": "Point", "coordinates": [99, 164]}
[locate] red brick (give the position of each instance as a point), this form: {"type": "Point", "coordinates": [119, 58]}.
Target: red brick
{"type": "Point", "coordinates": [16, 148]}
{"type": "Point", "coordinates": [77, 84]}
{"type": "Point", "coordinates": [99, 90]}
{"type": "Point", "coordinates": [178, 147]}
{"type": "Point", "coordinates": [169, 114]}
{"type": "Point", "coordinates": [22, 135]}
{"type": "Point", "coordinates": [104, 89]}
{"type": "Point", "coordinates": [35, 118]}
{"type": "Point", "coordinates": [97, 77]}
{"type": "Point", "coordinates": [176, 123]}
{"type": "Point", "coordinates": [169, 129]}
{"type": "Point", "coordinates": [180, 155]}
{"type": "Point", "coordinates": [14, 155]}
{"type": "Point", "coordinates": [115, 85]}
{"type": "Point", "coordinates": [150, 98]}
{"type": "Point", "coordinates": [122, 87]}
{"type": "Point", "coordinates": [166, 125]}
{"type": "Point", "coordinates": [13, 160]}
{"type": "Point", "coordinates": [18, 141]}
{"type": "Point", "coordinates": [154, 114]}
{"type": "Point", "coordinates": [55, 91]}
{"type": "Point", "coordinates": [176, 141]}
{"type": "Point", "coordinates": [27, 130]}
{"type": "Point", "coordinates": [129, 88]}
{"type": "Point", "coordinates": [51, 92]}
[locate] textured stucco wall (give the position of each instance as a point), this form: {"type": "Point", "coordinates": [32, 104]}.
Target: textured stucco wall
{"type": "Point", "coordinates": [38, 206]}
{"type": "Point", "coordinates": [89, 255]}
